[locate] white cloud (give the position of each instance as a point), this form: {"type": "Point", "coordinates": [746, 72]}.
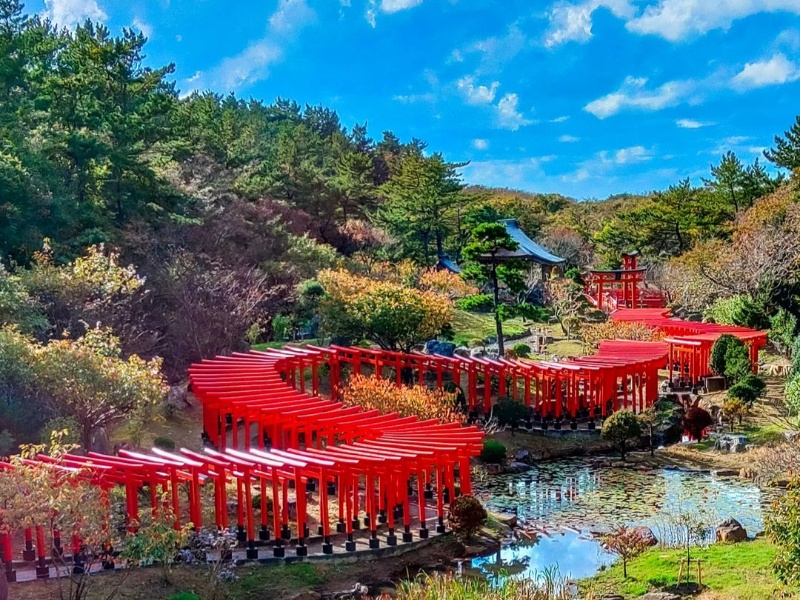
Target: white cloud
{"type": "Point", "coordinates": [774, 71]}
{"type": "Point", "coordinates": [508, 116]}
{"type": "Point", "coordinates": [569, 139]}
{"type": "Point", "coordinates": [691, 124]}
{"type": "Point", "coordinates": [560, 119]}
{"type": "Point", "coordinates": [254, 62]}
{"type": "Point", "coordinates": [626, 156]}
{"type": "Point", "coordinates": [414, 98]}
{"type": "Point", "coordinates": [69, 13]}
{"type": "Point", "coordinates": [480, 144]}
{"type": "Point", "coordinates": [477, 94]}
{"type": "Point", "coordinates": [392, 6]}
{"type": "Point", "coordinates": [291, 16]}
{"type": "Point", "coordinates": [497, 51]}
{"type": "Point", "coordinates": [573, 22]}
{"type": "Point", "coordinates": [679, 19]}
{"type": "Point", "coordinates": [634, 95]}
{"type": "Point", "coordinates": [144, 27]}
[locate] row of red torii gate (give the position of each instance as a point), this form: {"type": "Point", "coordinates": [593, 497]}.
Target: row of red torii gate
{"type": "Point", "coordinates": [326, 468]}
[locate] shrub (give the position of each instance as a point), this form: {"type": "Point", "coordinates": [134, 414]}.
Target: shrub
{"type": "Point", "coordinates": [466, 516]}
{"type": "Point", "coordinates": [792, 396]}
{"type": "Point", "coordinates": [795, 370]}
{"type": "Point", "coordinates": [68, 424]}
{"type": "Point", "coordinates": [627, 543]}
{"type": "Point", "coordinates": [748, 389]}
{"type": "Point", "coordinates": [382, 394]}
{"type": "Point", "coordinates": [476, 343]}
{"type": "Point", "coordinates": [730, 357]}
{"type": "Point", "coordinates": [522, 350]}
{"type": "Point", "coordinates": [164, 442]}
{"type": "Point", "coordinates": [476, 303]}
{"type": "Point", "coordinates": [621, 429]}
{"type": "Point", "coordinates": [695, 422]}
{"type": "Point", "coordinates": [734, 408]}
{"type": "Point", "coordinates": [510, 412]}
{"type": "Point", "coordinates": [782, 525]}
{"type": "Point", "coordinates": [782, 330]}
{"type": "Point", "coordinates": [594, 333]}
{"type": "Point", "coordinates": [185, 596]}
{"type": "Point", "coordinates": [739, 310]}
{"type": "Point", "coordinates": [493, 452]}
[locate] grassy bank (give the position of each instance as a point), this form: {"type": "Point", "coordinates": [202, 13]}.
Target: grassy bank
{"type": "Point", "coordinates": [730, 571]}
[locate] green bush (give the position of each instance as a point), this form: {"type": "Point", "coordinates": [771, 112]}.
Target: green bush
{"type": "Point", "coordinates": [476, 303]}
{"type": "Point", "coordinates": [466, 516]}
{"type": "Point", "coordinates": [739, 310]}
{"type": "Point", "coordinates": [164, 442]}
{"type": "Point", "coordinates": [493, 452]}
{"type": "Point", "coordinates": [185, 596]}
{"type": "Point", "coordinates": [510, 412]}
{"type": "Point", "coordinates": [476, 343]}
{"type": "Point", "coordinates": [783, 329]}
{"type": "Point", "coordinates": [795, 370]}
{"type": "Point", "coordinates": [68, 424]}
{"type": "Point", "coordinates": [791, 397]}
{"type": "Point", "coordinates": [522, 350]}
{"type": "Point", "coordinates": [622, 428]}
{"type": "Point", "coordinates": [730, 357]}
{"type": "Point", "coordinates": [748, 389]}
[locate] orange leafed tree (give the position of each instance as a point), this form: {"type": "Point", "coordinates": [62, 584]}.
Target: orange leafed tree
{"type": "Point", "coordinates": [594, 333]}
{"type": "Point", "coordinates": [384, 395]}
{"type": "Point", "coordinates": [393, 315]}
{"type": "Point", "coordinates": [446, 283]}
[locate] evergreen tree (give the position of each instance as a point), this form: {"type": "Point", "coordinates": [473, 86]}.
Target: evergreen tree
{"type": "Point", "coordinates": [786, 152]}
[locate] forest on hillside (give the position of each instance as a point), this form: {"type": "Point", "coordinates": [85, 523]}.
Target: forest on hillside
{"type": "Point", "coordinates": [186, 225]}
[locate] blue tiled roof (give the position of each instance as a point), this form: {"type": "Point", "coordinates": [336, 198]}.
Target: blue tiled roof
{"type": "Point", "coordinates": [528, 249]}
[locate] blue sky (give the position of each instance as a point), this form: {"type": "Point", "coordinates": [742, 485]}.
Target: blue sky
{"type": "Point", "coordinates": [582, 97]}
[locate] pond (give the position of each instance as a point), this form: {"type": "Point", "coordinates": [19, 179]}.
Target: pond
{"type": "Point", "coordinates": [560, 504]}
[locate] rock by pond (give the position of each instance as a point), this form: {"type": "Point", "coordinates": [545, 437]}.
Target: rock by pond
{"type": "Point", "coordinates": [730, 530]}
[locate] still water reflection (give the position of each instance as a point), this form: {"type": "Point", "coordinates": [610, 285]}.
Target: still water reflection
{"type": "Point", "coordinates": [561, 503]}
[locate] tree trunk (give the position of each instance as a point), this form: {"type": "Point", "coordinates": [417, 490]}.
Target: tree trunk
{"type": "Point", "coordinates": [624, 569]}
{"type": "Point", "coordinates": [497, 322]}
{"type": "Point", "coordinates": [3, 583]}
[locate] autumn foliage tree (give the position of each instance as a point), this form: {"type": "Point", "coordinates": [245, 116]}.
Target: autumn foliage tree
{"type": "Point", "coordinates": [371, 393]}
{"type": "Point", "coordinates": [393, 315]}
{"type": "Point", "coordinates": [627, 543]}
{"type": "Point", "coordinates": [594, 333]}
{"type": "Point", "coordinates": [87, 379]}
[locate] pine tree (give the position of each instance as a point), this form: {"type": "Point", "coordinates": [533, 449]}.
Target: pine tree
{"type": "Point", "coordinates": [786, 152]}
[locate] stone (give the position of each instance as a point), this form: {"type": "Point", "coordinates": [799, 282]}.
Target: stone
{"type": "Point", "coordinates": [494, 469]}
{"type": "Point", "coordinates": [522, 456]}
{"type": "Point", "coordinates": [612, 597]}
{"type": "Point", "coordinates": [730, 530]}
{"type": "Point", "coordinates": [726, 473]}
{"type": "Point", "coordinates": [462, 351]}
{"type": "Point", "coordinates": [647, 535]}
{"type": "Point", "coordinates": [506, 519]}
{"type": "Point", "coordinates": [477, 353]}
{"type": "Point", "coordinates": [518, 467]}
{"type": "Point", "coordinates": [660, 596]}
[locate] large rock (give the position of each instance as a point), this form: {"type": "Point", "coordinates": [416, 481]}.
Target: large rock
{"type": "Point", "coordinates": [462, 351]}
{"type": "Point", "coordinates": [731, 531]}
{"type": "Point", "coordinates": [647, 535]}
{"type": "Point", "coordinates": [660, 596]}
{"type": "Point", "coordinates": [523, 456]}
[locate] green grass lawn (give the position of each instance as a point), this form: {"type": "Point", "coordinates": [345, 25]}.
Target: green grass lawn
{"type": "Point", "coordinates": [473, 326]}
{"type": "Point", "coordinates": [736, 571]}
